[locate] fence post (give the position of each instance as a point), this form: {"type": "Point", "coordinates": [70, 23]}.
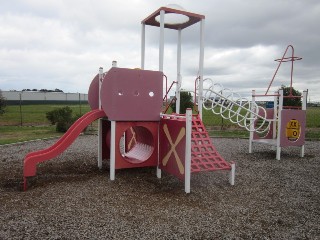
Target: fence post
{"type": "Point", "coordinates": [20, 102]}
{"type": "Point", "coordinates": [80, 103]}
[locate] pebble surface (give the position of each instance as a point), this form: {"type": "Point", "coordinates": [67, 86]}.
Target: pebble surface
{"type": "Point", "coordinates": [70, 198]}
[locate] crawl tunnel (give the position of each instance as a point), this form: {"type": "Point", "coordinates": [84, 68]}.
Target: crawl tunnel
{"type": "Point", "coordinates": [136, 144]}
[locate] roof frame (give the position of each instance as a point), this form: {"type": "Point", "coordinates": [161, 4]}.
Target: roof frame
{"type": "Point", "coordinates": [193, 18]}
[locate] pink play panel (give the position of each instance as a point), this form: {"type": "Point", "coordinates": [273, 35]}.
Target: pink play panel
{"type": "Point", "coordinates": [93, 93]}
{"type": "Point", "coordinates": [132, 94]}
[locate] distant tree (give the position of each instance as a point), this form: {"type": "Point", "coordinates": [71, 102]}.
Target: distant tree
{"type": "Point", "coordinates": [43, 90]}
{"type": "Point", "coordinates": [294, 102]}
{"type": "Point", "coordinates": [58, 90]}
{"type": "Point", "coordinates": [2, 103]}
{"type": "Point", "coordinates": [185, 102]}
{"type": "Point", "coordinates": [35, 90]}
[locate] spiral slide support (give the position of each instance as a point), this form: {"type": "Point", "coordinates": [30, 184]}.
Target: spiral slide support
{"type": "Point", "coordinates": [32, 159]}
{"type": "Point", "coordinates": [231, 106]}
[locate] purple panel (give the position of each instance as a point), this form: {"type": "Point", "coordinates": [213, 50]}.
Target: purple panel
{"type": "Point", "coordinates": [132, 94]}
{"type": "Point", "coordinates": [286, 116]}
{"type": "Point", "coordinates": [269, 134]}
{"type": "Point", "coordinates": [93, 93]}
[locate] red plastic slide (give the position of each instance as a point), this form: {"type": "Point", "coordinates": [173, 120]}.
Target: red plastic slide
{"type": "Point", "coordinates": [32, 159]}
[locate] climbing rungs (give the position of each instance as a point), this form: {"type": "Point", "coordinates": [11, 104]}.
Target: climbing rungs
{"type": "Point", "coordinates": [204, 156]}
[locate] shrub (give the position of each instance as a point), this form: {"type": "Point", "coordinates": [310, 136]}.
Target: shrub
{"type": "Point", "coordinates": [185, 102]}
{"type": "Point", "coordinates": [62, 117]}
{"type": "Point", "coordinates": [291, 101]}
{"type": "Point", "coordinates": [2, 104]}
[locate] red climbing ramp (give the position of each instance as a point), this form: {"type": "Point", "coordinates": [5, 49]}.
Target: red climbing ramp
{"type": "Point", "coordinates": [204, 156]}
{"type": "Point", "coordinates": [32, 159]}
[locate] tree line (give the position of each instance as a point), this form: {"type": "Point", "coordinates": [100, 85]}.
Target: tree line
{"type": "Point", "coordinates": [41, 90]}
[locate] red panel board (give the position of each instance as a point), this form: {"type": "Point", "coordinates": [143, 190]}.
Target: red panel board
{"type": "Point", "coordinates": [172, 146]}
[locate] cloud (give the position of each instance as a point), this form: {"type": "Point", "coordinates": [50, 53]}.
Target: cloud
{"type": "Point", "coordinates": [61, 44]}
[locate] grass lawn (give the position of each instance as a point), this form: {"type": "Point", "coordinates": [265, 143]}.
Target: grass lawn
{"type": "Point", "coordinates": [35, 114]}
{"type": "Point", "coordinates": [35, 124]}
{"type": "Point", "coordinates": [12, 134]}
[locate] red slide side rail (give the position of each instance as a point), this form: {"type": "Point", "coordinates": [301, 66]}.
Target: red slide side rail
{"type": "Point", "coordinates": [32, 159]}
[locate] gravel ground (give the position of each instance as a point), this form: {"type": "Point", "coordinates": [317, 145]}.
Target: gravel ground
{"type": "Point", "coordinates": [71, 199]}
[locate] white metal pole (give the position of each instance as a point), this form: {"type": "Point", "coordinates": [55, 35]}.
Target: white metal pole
{"type": "Point", "coordinates": [251, 121]}
{"type": "Point", "coordinates": [161, 56]}
{"type": "Point", "coordinates": [143, 44]}
{"type": "Point", "coordinates": [187, 167]}
{"type": "Point", "coordinates": [279, 125]}
{"type": "Point", "coordinates": [100, 122]}
{"type": "Point", "coordinates": [161, 42]}
{"type": "Point", "coordinates": [113, 150]}
{"type": "Point", "coordinates": [232, 175]}
{"type": "Point", "coordinates": [304, 107]}
{"type": "Point", "coordinates": [304, 99]}
{"type": "Point", "coordinates": [178, 86]}
{"type": "Point", "coordinates": [201, 60]}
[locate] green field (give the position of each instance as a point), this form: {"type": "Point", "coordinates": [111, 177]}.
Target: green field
{"type": "Point", "coordinates": [29, 122]}
{"type": "Point", "coordinates": [35, 114]}
{"type": "Point", "coordinates": [210, 119]}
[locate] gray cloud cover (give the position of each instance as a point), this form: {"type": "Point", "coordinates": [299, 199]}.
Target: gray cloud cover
{"type": "Point", "coordinates": [61, 44]}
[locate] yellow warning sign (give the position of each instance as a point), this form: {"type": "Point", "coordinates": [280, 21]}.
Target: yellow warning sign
{"type": "Point", "coordinates": [293, 130]}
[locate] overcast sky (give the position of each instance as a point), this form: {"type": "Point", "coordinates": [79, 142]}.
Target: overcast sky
{"type": "Point", "coordinates": [62, 43]}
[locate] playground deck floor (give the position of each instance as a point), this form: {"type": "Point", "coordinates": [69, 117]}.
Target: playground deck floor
{"type": "Point", "coordinates": [71, 199]}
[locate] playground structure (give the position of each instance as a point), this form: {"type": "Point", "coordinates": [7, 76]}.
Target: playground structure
{"type": "Point", "coordinates": [133, 132]}
{"type": "Point", "coordinates": [279, 126]}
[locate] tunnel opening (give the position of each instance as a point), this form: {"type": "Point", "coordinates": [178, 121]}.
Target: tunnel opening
{"type": "Point", "coordinates": [136, 144]}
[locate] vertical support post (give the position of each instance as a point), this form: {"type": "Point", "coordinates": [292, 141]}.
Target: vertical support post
{"type": "Point", "coordinates": [252, 121]}
{"type": "Point", "coordinates": [178, 86]}
{"type": "Point", "coordinates": [279, 125]}
{"type": "Point", "coordinates": [201, 60]}
{"type": "Point", "coordinates": [275, 112]}
{"type": "Point", "coordinates": [161, 42]}
{"type": "Point", "coordinates": [187, 165]}
{"type": "Point", "coordinates": [304, 99]}
{"type": "Point", "coordinates": [304, 107]}
{"type": "Point", "coordinates": [100, 122]}
{"type": "Point", "coordinates": [232, 174]}
{"type": "Point", "coordinates": [143, 44]}
{"type": "Point", "coordinates": [113, 150]}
